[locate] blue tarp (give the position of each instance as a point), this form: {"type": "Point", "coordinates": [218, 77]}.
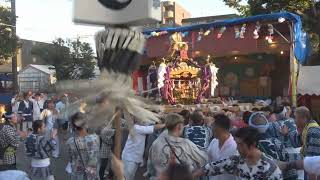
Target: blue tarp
{"type": "Point", "coordinates": [5, 77]}
{"type": "Point", "coordinates": [301, 49]}
{"type": "Point", "coordinates": [5, 98]}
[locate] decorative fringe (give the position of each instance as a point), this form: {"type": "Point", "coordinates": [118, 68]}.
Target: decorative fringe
{"type": "Point", "coordinates": [119, 49]}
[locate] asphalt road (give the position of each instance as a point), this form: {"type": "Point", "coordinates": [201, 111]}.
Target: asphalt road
{"type": "Point", "coordinates": [58, 165]}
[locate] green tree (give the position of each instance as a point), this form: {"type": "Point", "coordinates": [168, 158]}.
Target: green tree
{"type": "Point", "coordinates": [72, 59]}
{"type": "Point", "coordinates": [309, 10]}
{"type": "Point", "coordinates": [8, 41]}
{"type": "Point", "coordinates": [82, 58]}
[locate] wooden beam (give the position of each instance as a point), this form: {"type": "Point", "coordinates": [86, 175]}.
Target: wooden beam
{"type": "Point", "coordinates": [117, 147]}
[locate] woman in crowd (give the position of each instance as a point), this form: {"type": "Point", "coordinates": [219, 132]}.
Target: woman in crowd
{"type": "Point", "coordinates": [49, 116]}
{"type": "Point", "coordinates": [15, 103]}
{"type": "Point", "coordinates": [39, 148]}
{"type": "Point", "coordinates": [83, 150]}
{"type": "Point", "coordinates": [276, 130]}
{"type": "Point", "coordinates": [267, 144]}
{"type": "Point", "coordinates": [26, 109]}
{"type": "Point", "coordinates": [8, 143]}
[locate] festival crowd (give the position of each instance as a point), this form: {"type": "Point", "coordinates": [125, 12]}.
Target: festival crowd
{"type": "Point", "coordinates": [272, 142]}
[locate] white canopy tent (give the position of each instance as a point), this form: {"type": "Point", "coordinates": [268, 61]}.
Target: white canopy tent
{"type": "Point", "coordinates": [309, 80]}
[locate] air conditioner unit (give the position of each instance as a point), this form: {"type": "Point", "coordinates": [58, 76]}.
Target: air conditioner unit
{"type": "Point", "coordinates": [113, 12]}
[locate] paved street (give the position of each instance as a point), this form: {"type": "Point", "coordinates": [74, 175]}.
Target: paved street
{"type": "Point", "coordinates": [23, 163]}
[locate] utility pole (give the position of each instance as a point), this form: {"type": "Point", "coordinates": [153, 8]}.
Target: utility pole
{"type": "Point", "coordinates": [14, 58]}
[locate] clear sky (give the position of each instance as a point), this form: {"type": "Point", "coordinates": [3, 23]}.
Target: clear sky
{"type": "Point", "coordinates": [45, 20]}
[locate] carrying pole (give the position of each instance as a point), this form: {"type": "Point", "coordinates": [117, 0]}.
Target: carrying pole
{"type": "Point", "coordinates": [117, 147]}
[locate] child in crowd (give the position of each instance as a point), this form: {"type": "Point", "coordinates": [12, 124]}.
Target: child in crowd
{"type": "Point", "coordinates": [39, 148]}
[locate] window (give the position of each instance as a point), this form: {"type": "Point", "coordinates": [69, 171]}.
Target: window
{"type": "Point", "coordinates": [170, 22]}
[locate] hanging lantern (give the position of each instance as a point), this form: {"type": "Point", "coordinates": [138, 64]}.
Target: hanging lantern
{"type": "Point", "coordinates": [153, 33]}
{"type": "Point", "coordinates": [207, 32]}
{"type": "Point", "coordinates": [271, 32]}
{"type": "Point", "coordinates": [256, 34]}
{"type": "Point", "coordinates": [200, 33]}
{"type": "Point", "coordinates": [256, 31]}
{"type": "Point", "coordinates": [281, 20]}
{"type": "Point", "coordinates": [270, 29]}
{"type": "Point", "coordinates": [237, 32]}
{"type": "Point", "coordinates": [269, 39]}
{"type": "Point", "coordinates": [163, 33]}
{"type": "Point", "coordinates": [222, 30]}
{"type": "Point", "coordinates": [264, 6]}
{"type": "Point", "coordinates": [243, 31]}
{"type": "Point", "coordinates": [199, 38]}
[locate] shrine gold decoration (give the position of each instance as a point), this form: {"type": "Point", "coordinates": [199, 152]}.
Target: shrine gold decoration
{"type": "Point", "coordinates": [184, 72]}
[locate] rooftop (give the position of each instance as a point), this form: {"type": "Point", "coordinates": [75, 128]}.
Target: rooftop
{"type": "Point", "coordinates": [209, 18]}
{"type": "Point", "coordinates": [49, 69]}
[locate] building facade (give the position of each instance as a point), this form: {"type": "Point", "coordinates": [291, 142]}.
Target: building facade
{"type": "Point", "coordinates": [24, 56]}
{"type": "Point", "coordinates": [37, 78]}
{"type": "Point", "coordinates": [172, 14]}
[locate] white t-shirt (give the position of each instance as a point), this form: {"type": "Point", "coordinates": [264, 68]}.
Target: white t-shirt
{"type": "Point", "coordinates": [41, 103]}
{"type": "Point", "coordinates": [134, 148]}
{"type": "Point", "coordinates": [40, 162]}
{"type": "Point", "coordinates": [312, 165]}
{"type": "Point", "coordinates": [229, 148]}
{"type": "Point", "coordinates": [15, 106]}
{"type": "Point", "coordinates": [37, 106]}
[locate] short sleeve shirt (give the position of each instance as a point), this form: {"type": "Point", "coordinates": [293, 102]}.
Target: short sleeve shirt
{"type": "Point", "coordinates": [264, 169]}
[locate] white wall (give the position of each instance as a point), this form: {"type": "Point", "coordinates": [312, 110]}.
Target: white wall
{"type": "Point", "coordinates": [33, 79]}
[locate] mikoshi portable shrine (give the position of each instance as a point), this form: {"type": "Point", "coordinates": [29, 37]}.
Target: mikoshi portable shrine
{"type": "Point", "coordinates": [251, 58]}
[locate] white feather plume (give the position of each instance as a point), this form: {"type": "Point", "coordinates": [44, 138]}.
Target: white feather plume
{"type": "Point", "coordinates": [116, 89]}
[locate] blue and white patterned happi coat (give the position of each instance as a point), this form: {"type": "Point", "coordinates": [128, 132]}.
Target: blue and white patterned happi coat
{"type": "Point", "coordinates": [199, 135]}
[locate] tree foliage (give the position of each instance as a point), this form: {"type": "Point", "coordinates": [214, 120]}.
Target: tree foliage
{"type": "Point", "coordinates": [309, 10]}
{"type": "Point", "coordinates": [72, 59]}
{"type": "Point", "coordinates": [8, 41]}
